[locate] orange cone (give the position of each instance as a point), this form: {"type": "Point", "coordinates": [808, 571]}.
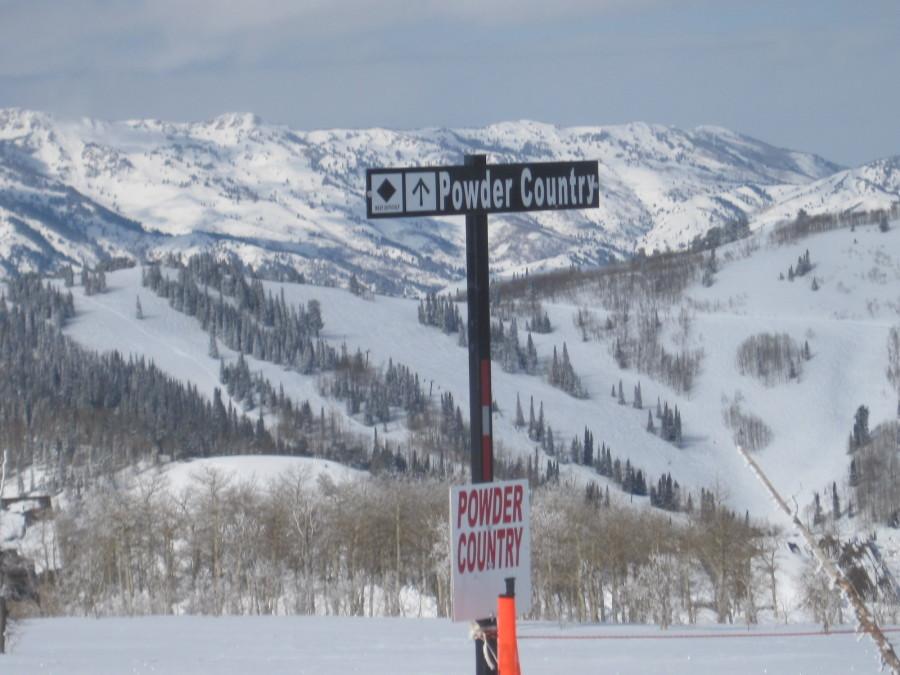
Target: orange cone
{"type": "Point", "coordinates": [507, 646]}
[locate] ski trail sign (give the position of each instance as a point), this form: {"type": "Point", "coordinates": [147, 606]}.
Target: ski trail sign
{"type": "Point", "coordinates": [492, 188]}
{"type": "Point", "coordinates": [490, 539]}
{"type": "Point", "coordinates": [490, 534]}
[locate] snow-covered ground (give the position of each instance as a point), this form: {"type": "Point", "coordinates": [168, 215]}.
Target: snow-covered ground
{"type": "Point", "coordinates": [342, 646]}
{"type": "Point", "coordinates": [260, 470]}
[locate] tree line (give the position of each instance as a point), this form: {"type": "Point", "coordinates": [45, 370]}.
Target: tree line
{"type": "Point", "coordinates": [74, 414]}
{"type": "Point", "coordinates": [805, 224]}
{"type": "Point", "coordinates": [380, 547]}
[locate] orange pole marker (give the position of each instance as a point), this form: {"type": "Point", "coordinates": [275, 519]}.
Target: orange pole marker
{"type": "Point", "coordinates": [507, 644]}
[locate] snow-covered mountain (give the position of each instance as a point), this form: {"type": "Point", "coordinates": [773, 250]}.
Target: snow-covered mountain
{"type": "Point", "coordinates": [846, 323]}
{"type": "Point", "coordinates": [869, 187]}
{"type": "Point", "coordinates": [44, 221]}
{"type": "Point", "coordinates": [284, 197]}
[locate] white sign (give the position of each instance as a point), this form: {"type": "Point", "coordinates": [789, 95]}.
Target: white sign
{"type": "Point", "coordinates": [420, 192]}
{"type": "Point", "coordinates": [387, 193]}
{"type": "Point", "coordinates": [490, 540]}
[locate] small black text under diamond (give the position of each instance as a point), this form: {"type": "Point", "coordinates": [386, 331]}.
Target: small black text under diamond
{"type": "Point", "coordinates": [386, 190]}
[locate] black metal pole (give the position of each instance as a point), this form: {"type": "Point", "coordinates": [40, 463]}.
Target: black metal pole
{"type": "Point", "coordinates": [479, 329]}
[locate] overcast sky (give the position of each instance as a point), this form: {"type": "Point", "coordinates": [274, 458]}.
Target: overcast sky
{"type": "Point", "coordinates": [817, 75]}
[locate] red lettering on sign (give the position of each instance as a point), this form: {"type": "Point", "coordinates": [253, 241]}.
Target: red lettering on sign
{"type": "Point", "coordinates": [473, 508]}
{"type": "Point", "coordinates": [489, 549]}
{"type": "Point", "coordinates": [463, 503]}
{"type": "Point", "coordinates": [482, 549]}
{"type": "Point", "coordinates": [517, 503]}
{"type": "Point", "coordinates": [517, 534]}
{"type": "Point", "coordinates": [507, 503]}
{"type": "Point", "coordinates": [492, 552]}
{"type": "Point", "coordinates": [484, 511]}
{"type": "Point", "coordinates": [498, 505]}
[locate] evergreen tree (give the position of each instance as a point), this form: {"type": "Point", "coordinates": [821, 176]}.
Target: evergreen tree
{"type": "Point", "coordinates": [531, 357]}
{"type": "Point", "coordinates": [853, 480]}
{"type": "Point", "coordinates": [213, 346]}
{"type": "Point", "coordinates": [520, 418]}
{"type": "Point", "coordinates": [860, 436]}
{"type": "Point", "coordinates": [531, 420]}
{"type": "Point", "coordinates": [314, 317]}
{"type": "Point", "coordinates": [138, 310]}
{"type": "Point", "coordinates": [588, 447]}
{"type": "Point", "coordinates": [818, 515]}
{"type": "Point", "coordinates": [576, 451]}
{"type": "Point", "coordinates": [540, 423]}
{"type": "Point", "coordinates": [677, 429]}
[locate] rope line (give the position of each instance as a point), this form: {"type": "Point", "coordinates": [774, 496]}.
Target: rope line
{"type": "Point", "coordinates": [703, 636]}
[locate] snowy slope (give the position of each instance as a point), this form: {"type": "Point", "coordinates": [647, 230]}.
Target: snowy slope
{"type": "Point", "coordinates": [846, 323]}
{"type": "Point", "coordinates": [389, 329]}
{"type": "Point", "coordinates": [259, 470]}
{"type": "Point", "coordinates": [173, 341]}
{"type": "Point", "coordinates": [870, 187]}
{"type": "Point", "coordinates": [43, 220]}
{"type": "Point", "coordinates": [279, 196]}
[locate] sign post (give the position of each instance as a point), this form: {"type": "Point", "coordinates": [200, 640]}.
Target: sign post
{"type": "Point", "coordinates": [480, 394]}
{"type": "Point", "coordinates": [493, 517]}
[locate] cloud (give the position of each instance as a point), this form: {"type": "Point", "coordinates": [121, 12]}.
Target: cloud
{"type": "Point", "coordinates": [46, 38]}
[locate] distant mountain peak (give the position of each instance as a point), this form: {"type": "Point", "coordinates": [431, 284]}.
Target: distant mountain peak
{"type": "Point", "coordinates": [277, 196]}
{"type": "Point", "coordinates": [236, 120]}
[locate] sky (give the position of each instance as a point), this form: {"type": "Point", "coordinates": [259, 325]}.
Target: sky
{"type": "Point", "coordinates": [815, 75]}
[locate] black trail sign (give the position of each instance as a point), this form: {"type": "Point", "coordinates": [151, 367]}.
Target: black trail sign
{"type": "Point", "coordinates": [490, 188]}
{"type": "Point", "coordinates": [476, 190]}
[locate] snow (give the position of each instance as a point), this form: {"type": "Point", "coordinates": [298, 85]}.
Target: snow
{"type": "Point", "coordinates": [846, 323]}
{"type": "Point", "coordinates": [344, 646]}
{"type": "Point", "coordinates": [275, 194]}
{"type": "Point", "coordinates": [260, 470]}
{"type": "Point", "coordinates": [174, 342]}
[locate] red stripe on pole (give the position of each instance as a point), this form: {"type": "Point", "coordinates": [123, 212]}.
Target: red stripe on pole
{"type": "Point", "coordinates": [485, 382]}
{"type": "Point", "coordinates": [487, 459]}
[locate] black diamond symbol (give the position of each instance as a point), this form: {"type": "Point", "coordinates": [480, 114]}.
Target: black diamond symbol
{"type": "Point", "coordinates": [386, 190]}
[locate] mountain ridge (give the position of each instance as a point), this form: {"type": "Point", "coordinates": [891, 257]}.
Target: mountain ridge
{"type": "Point", "coordinates": [281, 197]}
